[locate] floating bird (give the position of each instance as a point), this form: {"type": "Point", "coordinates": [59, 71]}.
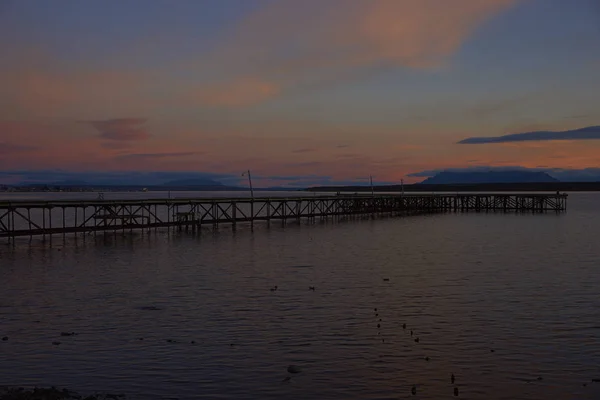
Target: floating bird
{"type": "Point", "coordinates": [452, 378]}
{"type": "Point", "coordinates": [456, 391]}
{"type": "Point", "coordinates": [414, 390]}
{"type": "Point", "coordinates": [374, 309]}
{"type": "Point", "coordinates": [426, 358]}
{"type": "Point", "coordinates": [311, 288]}
{"type": "Point", "coordinates": [417, 340]}
{"type": "Point", "coordinates": [274, 288]}
{"type": "Point", "coordinates": [294, 369]}
{"type": "Point", "coordinates": [411, 332]}
{"type": "Point", "coordinates": [193, 342]}
{"type": "Point", "coordinates": [539, 378]}
{"type": "Point", "coordinates": [492, 350]}
{"type": "Point", "coordinates": [56, 343]}
{"type": "Point", "coordinates": [67, 334]}
{"type": "Point", "coordinates": [596, 380]}
{"type": "Point", "coordinates": [379, 325]}
{"type": "Point", "coordinates": [386, 279]}
{"type": "Point", "coordinates": [141, 338]}
{"type": "Point", "coordinates": [403, 326]}
{"type": "Point", "coordinates": [5, 338]}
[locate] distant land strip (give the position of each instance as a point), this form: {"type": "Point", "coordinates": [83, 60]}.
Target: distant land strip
{"type": "Point", "coordinates": [470, 187]}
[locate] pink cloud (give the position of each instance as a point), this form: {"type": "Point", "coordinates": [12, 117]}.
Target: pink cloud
{"type": "Point", "coordinates": [289, 43]}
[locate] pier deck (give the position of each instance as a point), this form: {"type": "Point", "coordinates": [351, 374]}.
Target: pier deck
{"type": "Point", "coordinates": [32, 218]}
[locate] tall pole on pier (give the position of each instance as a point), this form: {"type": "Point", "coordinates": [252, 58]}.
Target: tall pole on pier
{"type": "Point", "coordinates": [249, 182]}
{"type": "Point", "coordinates": [372, 190]}
{"type": "Point", "coordinates": [402, 185]}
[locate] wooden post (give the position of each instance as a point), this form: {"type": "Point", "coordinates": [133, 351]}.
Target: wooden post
{"type": "Point", "coordinates": [234, 214]}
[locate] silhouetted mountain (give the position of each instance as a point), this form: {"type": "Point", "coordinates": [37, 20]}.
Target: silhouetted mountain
{"type": "Point", "coordinates": [449, 177]}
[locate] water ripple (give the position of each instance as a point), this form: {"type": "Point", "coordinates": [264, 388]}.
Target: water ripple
{"type": "Point", "coordinates": [506, 303]}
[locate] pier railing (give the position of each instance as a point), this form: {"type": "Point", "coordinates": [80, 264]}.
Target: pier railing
{"type": "Point", "coordinates": [31, 218]}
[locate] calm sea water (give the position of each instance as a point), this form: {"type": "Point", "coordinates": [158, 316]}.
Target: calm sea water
{"type": "Point", "coordinates": [509, 304]}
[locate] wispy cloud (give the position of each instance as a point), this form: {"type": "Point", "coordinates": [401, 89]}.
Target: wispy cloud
{"type": "Point", "coordinates": [290, 43]}
{"type": "Point", "coordinates": [7, 148]}
{"type": "Point", "coordinates": [121, 129]}
{"type": "Point", "coordinates": [587, 133]}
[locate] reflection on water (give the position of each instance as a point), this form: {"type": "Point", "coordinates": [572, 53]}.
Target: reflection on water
{"type": "Point", "coordinates": [497, 300]}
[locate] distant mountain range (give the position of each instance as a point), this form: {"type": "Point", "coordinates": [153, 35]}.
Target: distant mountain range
{"type": "Point", "coordinates": [194, 184]}
{"type": "Point", "coordinates": [453, 178]}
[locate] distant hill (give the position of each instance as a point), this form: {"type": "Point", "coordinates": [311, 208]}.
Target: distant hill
{"type": "Point", "coordinates": [449, 177]}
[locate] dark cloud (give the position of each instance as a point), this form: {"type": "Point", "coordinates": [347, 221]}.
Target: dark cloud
{"type": "Point", "coordinates": [562, 174]}
{"type": "Point", "coordinates": [8, 148]}
{"type": "Point", "coordinates": [305, 150]}
{"type": "Point", "coordinates": [121, 129]}
{"type": "Point", "coordinates": [587, 133]}
{"type": "Point", "coordinates": [149, 156]}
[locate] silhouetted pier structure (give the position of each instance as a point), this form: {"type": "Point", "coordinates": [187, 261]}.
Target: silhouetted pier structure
{"type": "Point", "coordinates": [33, 218]}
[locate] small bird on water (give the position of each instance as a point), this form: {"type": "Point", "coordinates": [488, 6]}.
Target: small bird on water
{"type": "Point", "coordinates": [452, 378]}
{"type": "Point", "coordinates": [414, 390]}
{"type": "Point", "coordinates": [311, 288]}
{"type": "Point", "coordinates": [456, 391]}
{"type": "Point", "coordinates": [294, 369]}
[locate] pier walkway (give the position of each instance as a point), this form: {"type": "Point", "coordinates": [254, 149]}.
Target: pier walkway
{"type": "Point", "coordinates": [33, 218]}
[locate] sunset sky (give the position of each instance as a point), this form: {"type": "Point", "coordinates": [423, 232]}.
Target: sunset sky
{"type": "Point", "coordinates": [298, 91]}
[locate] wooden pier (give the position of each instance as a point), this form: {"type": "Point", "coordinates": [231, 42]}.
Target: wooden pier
{"type": "Point", "coordinates": [33, 218]}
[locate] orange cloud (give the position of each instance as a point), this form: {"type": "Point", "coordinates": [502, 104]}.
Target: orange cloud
{"type": "Point", "coordinates": [289, 42]}
{"type": "Point", "coordinates": [36, 84]}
